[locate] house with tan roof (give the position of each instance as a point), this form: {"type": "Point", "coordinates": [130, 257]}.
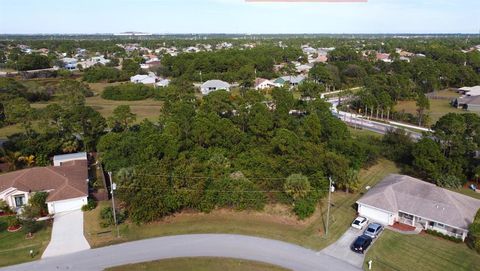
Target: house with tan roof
{"type": "Point", "coordinates": [407, 200]}
{"type": "Point", "coordinates": [66, 184]}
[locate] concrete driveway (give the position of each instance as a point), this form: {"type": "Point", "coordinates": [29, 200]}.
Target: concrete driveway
{"type": "Point", "coordinates": [67, 235]}
{"type": "Point", "coordinates": [275, 252]}
{"type": "Point", "coordinates": [341, 248]}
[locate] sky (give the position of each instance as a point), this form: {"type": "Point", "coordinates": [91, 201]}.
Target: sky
{"type": "Point", "coordinates": [237, 16]}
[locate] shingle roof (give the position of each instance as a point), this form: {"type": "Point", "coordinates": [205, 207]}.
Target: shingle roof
{"type": "Point", "coordinates": [404, 193]}
{"type": "Point", "coordinates": [65, 182]}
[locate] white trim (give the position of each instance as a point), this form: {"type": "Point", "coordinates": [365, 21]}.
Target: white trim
{"type": "Point", "coordinates": [432, 220]}
{"type": "Point", "coordinates": [66, 199]}
{"type": "Point", "coordinates": [379, 209]}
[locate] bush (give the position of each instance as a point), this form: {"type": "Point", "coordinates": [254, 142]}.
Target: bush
{"type": "Point", "coordinates": [106, 217]}
{"type": "Point", "coordinates": [305, 207]}
{"type": "Point", "coordinates": [13, 222]}
{"type": "Point", "coordinates": [444, 236]}
{"type": "Point", "coordinates": [128, 92]}
{"type": "Point", "coordinates": [92, 204]}
{"type": "Point", "coordinates": [228, 192]}
{"type": "Point", "coordinates": [101, 73]}
{"type": "Point", "coordinates": [5, 208]}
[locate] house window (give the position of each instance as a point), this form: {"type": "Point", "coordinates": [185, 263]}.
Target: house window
{"type": "Point", "coordinates": [440, 225]}
{"type": "Point", "coordinates": [19, 200]}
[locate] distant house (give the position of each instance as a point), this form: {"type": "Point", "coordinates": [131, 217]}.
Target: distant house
{"type": "Point", "coordinates": [213, 85]}
{"type": "Point", "coordinates": [58, 160]}
{"type": "Point", "coordinates": [470, 100]}
{"type": "Point", "coordinates": [292, 81]}
{"type": "Point", "coordinates": [94, 61]}
{"type": "Point", "coordinates": [407, 200]}
{"type": "Point", "coordinates": [262, 83]}
{"type": "Point", "coordinates": [143, 79]}
{"type": "Point", "coordinates": [383, 57]}
{"type": "Point", "coordinates": [162, 83]}
{"type": "Point", "coordinates": [69, 63]}
{"type": "Point", "coordinates": [66, 184]}
{"type": "Point", "coordinates": [303, 68]}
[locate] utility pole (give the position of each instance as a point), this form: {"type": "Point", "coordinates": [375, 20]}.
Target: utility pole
{"type": "Point", "coordinates": [328, 207]}
{"type": "Point", "coordinates": [113, 186]}
{"type": "Point", "coordinates": [201, 79]}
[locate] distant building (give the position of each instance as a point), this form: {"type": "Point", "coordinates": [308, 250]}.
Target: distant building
{"type": "Point", "coordinates": [214, 85]}
{"type": "Point", "coordinates": [292, 81]}
{"type": "Point", "coordinates": [262, 83]}
{"type": "Point", "coordinates": [69, 63]}
{"type": "Point", "coordinates": [143, 79]}
{"type": "Point", "coordinates": [163, 83]}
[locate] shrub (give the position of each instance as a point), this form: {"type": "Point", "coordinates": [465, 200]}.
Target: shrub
{"type": "Point", "coordinates": [92, 204]}
{"type": "Point", "coordinates": [128, 92]}
{"type": "Point", "coordinates": [101, 73]}
{"type": "Point", "coordinates": [444, 236]}
{"type": "Point", "coordinates": [13, 222]}
{"type": "Point", "coordinates": [305, 207]}
{"type": "Point", "coordinates": [5, 208]}
{"type": "Point", "coordinates": [106, 217]}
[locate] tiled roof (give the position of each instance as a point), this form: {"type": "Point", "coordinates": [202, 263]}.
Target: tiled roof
{"type": "Point", "coordinates": [64, 182]}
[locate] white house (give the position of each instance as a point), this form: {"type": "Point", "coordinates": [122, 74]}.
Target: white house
{"type": "Point", "coordinates": [67, 185]}
{"type": "Point", "coordinates": [262, 83]}
{"type": "Point", "coordinates": [58, 160]}
{"type": "Point", "coordinates": [213, 85]}
{"type": "Point", "coordinates": [143, 79]}
{"type": "Point", "coordinates": [162, 83]}
{"type": "Point", "coordinates": [407, 200]}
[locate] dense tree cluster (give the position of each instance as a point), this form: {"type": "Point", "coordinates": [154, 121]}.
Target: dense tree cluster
{"type": "Point", "coordinates": [230, 65]}
{"type": "Point", "coordinates": [231, 151]}
{"type": "Point", "coordinates": [128, 92]}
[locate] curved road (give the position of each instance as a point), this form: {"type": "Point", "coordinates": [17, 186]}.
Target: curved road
{"type": "Point", "coordinates": [195, 245]}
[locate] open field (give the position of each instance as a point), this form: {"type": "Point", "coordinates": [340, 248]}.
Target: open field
{"type": "Point", "coordinates": [15, 248]}
{"type": "Point", "coordinates": [199, 264]}
{"type": "Point", "coordinates": [395, 251]}
{"type": "Point", "coordinates": [275, 222]}
{"type": "Point", "coordinates": [438, 107]}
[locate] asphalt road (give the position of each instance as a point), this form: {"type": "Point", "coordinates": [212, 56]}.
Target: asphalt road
{"type": "Point", "coordinates": [195, 245]}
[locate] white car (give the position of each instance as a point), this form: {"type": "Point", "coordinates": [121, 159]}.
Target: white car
{"type": "Point", "coordinates": [360, 222]}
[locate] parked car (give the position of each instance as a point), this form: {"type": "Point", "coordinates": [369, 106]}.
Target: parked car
{"type": "Point", "coordinates": [373, 230]}
{"type": "Point", "coordinates": [359, 222]}
{"type": "Point", "coordinates": [361, 244]}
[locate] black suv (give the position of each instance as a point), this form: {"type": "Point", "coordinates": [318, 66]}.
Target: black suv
{"type": "Point", "coordinates": [361, 244]}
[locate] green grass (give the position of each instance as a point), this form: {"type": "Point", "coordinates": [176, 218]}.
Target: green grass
{"type": "Point", "coordinates": [438, 107]}
{"type": "Point", "coordinates": [10, 130]}
{"type": "Point", "coordinates": [15, 248]}
{"type": "Point", "coordinates": [395, 251]}
{"type": "Point", "coordinates": [275, 222]}
{"type": "Point", "coordinates": [468, 192]}
{"type": "Point", "coordinates": [199, 264]}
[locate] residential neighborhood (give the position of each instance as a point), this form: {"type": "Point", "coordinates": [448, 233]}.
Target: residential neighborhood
{"type": "Point", "coordinates": [238, 135]}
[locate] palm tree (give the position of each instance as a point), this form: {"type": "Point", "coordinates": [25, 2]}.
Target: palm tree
{"type": "Point", "coordinates": [29, 160]}
{"type": "Point", "coordinates": [12, 159]}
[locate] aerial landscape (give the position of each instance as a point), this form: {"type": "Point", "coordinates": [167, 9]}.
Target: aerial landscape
{"type": "Point", "coordinates": [240, 135]}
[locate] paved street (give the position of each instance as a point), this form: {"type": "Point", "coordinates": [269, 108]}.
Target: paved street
{"type": "Point", "coordinates": [214, 245]}
{"type": "Point", "coordinates": [67, 235]}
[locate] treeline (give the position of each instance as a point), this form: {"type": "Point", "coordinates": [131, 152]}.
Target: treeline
{"type": "Point", "coordinates": [447, 157]}
{"type": "Point", "coordinates": [128, 92]}
{"type": "Point", "coordinates": [230, 65]}
{"type": "Point", "coordinates": [231, 151]}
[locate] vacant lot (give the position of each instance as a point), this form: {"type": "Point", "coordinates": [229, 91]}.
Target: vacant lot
{"type": "Point", "coordinates": [438, 107]}
{"type": "Point", "coordinates": [276, 222]}
{"type": "Point", "coordinates": [15, 248]}
{"type": "Point", "coordinates": [200, 264]}
{"type": "Point", "coordinates": [395, 251]}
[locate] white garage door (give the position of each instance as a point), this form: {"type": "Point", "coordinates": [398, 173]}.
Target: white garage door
{"type": "Point", "coordinates": [68, 205]}
{"type": "Point", "coordinates": [375, 214]}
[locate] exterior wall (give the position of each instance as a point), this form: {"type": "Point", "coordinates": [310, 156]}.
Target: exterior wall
{"type": "Point", "coordinates": [58, 160]}
{"type": "Point", "coordinates": [9, 197]}
{"type": "Point", "coordinates": [66, 205]}
{"type": "Point", "coordinates": [473, 107]}
{"type": "Point", "coordinates": [376, 214]}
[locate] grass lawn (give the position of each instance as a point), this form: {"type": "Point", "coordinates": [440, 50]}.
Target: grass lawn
{"type": "Point", "coordinates": [395, 251]}
{"type": "Point", "coordinates": [199, 264]}
{"type": "Point", "coordinates": [362, 133]}
{"type": "Point", "coordinates": [467, 191]}
{"type": "Point", "coordinates": [438, 107]}
{"type": "Point", "coordinates": [10, 130]}
{"type": "Point", "coordinates": [275, 222]}
{"type": "Point", "coordinates": [15, 248]}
